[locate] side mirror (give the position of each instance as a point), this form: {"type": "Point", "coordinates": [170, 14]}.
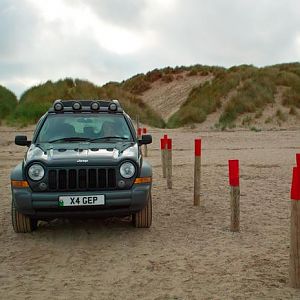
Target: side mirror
{"type": "Point", "coordinates": [146, 139]}
{"type": "Point", "coordinates": [21, 140]}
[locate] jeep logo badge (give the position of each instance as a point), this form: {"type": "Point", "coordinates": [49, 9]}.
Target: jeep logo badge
{"type": "Point", "coordinates": [82, 160]}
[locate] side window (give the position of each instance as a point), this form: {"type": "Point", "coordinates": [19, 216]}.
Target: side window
{"type": "Point", "coordinates": [44, 130]}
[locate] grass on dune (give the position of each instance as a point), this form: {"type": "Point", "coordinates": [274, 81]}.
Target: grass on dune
{"type": "Point", "coordinates": [206, 99]}
{"type": "Point", "coordinates": [37, 100]}
{"type": "Point", "coordinates": [8, 102]}
{"type": "Point", "coordinates": [255, 89]}
{"type": "Point", "coordinates": [246, 89]}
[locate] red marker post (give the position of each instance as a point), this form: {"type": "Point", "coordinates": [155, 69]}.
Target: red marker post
{"type": "Point", "coordinates": [169, 163]}
{"type": "Point", "coordinates": [234, 182]}
{"type": "Point", "coordinates": [163, 148]}
{"type": "Point", "coordinates": [139, 132]}
{"type": "Point", "coordinates": [197, 172]}
{"type": "Point", "coordinates": [294, 270]}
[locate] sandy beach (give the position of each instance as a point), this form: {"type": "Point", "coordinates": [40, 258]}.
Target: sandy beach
{"type": "Point", "coordinates": [189, 252]}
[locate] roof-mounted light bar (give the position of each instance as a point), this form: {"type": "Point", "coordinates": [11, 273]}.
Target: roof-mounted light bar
{"type": "Point", "coordinates": [68, 106]}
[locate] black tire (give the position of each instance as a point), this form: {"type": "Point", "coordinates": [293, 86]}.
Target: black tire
{"type": "Point", "coordinates": [21, 223]}
{"type": "Point", "coordinates": [143, 218]}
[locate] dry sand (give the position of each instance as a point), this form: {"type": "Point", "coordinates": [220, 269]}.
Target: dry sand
{"type": "Point", "coordinates": [188, 253]}
{"type": "Point", "coordinates": [166, 98]}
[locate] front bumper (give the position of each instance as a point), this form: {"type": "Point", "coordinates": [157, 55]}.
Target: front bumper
{"type": "Point", "coordinates": [121, 202]}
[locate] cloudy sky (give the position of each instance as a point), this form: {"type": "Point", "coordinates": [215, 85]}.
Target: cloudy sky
{"type": "Point", "coordinates": [111, 40]}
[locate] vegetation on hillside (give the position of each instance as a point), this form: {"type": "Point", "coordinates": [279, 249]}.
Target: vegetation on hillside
{"type": "Point", "coordinates": [235, 91]}
{"type": "Point", "coordinates": [8, 102]}
{"type": "Point", "coordinates": [142, 82]}
{"type": "Point", "coordinates": [255, 89]}
{"type": "Point", "coordinates": [36, 100]}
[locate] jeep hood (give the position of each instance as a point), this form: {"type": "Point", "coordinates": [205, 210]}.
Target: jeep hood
{"type": "Point", "coordinates": [76, 154]}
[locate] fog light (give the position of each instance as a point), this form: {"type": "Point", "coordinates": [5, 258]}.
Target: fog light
{"type": "Point", "coordinates": [43, 186]}
{"type": "Point", "coordinates": [121, 184]}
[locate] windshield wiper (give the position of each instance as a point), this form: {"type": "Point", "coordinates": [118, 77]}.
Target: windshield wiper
{"type": "Point", "coordinates": [108, 138]}
{"type": "Point", "coordinates": [70, 139]}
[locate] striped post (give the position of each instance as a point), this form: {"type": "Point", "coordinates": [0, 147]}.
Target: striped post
{"type": "Point", "coordinates": [139, 132]}
{"type": "Point", "coordinates": [163, 149]}
{"type": "Point", "coordinates": [197, 172]}
{"type": "Point", "coordinates": [294, 269]}
{"type": "Point", "coordinates": [169, 163]}
{"type": "Point", "coordinates": [145, 146]}
{"type": "Point", "coordinates": [234, 182]}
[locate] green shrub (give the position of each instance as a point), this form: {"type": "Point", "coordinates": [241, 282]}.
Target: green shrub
{"type": "Point", "coordinates": [255, 129]}
{"type": "Point", "coordinates": [204, 99]}
{"type": "Point", "coordinates": [291, 97]}
{"type": "Point", "coordinates": [255, 93]}
{"type": "Point", "coordinates": [8, 102]}
{"type": "Point", "coordinates": [36, 101]}
{"type": "Point", "coordinates": [193, 72]}
{"type": "Point", "coordinates": [246, 121]}
{"type": "Point", "coordinates": [280, 115]}
{"type": "Point", "coordinates": [293, 111]}
{"type": "Point", "coordinates": [268, 120]}
{"type": "Point", "coordinates": [167, 78]}
{"type": "Point", "coordinates": [258, 114]}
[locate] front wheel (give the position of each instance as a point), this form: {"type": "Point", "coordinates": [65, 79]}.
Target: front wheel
{"type": "Point", "coordinates": [143, 218]}
{"type": "Point", "coordinates": [21, 223]}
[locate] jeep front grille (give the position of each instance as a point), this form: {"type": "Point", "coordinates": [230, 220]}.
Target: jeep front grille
{"type": "Point", "coordinates": [82, 179]}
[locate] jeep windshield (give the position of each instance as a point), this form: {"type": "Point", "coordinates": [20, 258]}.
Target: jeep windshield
{"type": "Point", "coordinates": [66, 128]}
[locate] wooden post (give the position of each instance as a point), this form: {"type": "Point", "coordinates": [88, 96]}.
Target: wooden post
{"type": "Point", "coordinates": [234, 182]}
{"type": "Point", "coordinates": [163, 148]}
{"type": "Point", "coordinates": [169, 163]}
{"type": "Point", "coordinates": [294, 269]}
{"type": "Point", "coordinates": [137, 123]}
{"type": "Point", "coordinates": [139, 132]}
{"type": "Point", "coordinates": [197, 172]}
{"type": "Point", "coordinates": [165, 153]}
{"type": "Point", "coordinates": [145, 146]}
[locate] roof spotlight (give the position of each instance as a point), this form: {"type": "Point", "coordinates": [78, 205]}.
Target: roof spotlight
{"type": "Point", "coordinates": [58, 106]}
{"type": "Point", "coordinates": [113, 107]}
{"type": "Point", "coordinates": [95, 106]}
{"type": "Point", "coordinates": [76, 106]}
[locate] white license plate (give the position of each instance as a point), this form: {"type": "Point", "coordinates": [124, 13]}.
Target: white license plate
{"type": "Point", "coordinates": [81, 200]}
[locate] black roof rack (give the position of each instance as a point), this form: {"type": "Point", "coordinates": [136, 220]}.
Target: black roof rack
{"type": "Point", "coordinates": [61, 106]}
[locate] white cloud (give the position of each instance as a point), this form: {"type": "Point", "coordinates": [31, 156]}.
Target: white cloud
{"type": "Point", "coordinates": [76, 21]}
{"type": "Point", "coordinates": [114, 39]}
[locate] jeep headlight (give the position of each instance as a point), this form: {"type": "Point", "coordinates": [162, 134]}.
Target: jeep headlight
{"type": "Point", "coordinates": [36, 172]}
{"type": "Point", "coordinates": [127, 170]}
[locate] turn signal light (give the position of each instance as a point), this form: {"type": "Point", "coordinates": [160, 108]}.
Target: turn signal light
{"type": "Point", "coordinates": [143, 180]}
{"type": "Point", "coordinates": [19, 184]}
